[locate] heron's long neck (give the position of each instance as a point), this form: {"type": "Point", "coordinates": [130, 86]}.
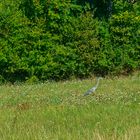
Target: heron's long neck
{"type": "Point", "coordinates": [97, 83]}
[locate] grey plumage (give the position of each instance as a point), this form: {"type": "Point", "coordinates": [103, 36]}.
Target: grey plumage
{"type": "Point", "coordinates": [90, 91]}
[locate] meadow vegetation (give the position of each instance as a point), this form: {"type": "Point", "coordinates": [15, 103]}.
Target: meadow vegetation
{"type": "Point", "coordinates": [59, 111]}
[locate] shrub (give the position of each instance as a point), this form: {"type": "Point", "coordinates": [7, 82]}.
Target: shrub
{"type": "Point", "coordinates": [125, 36]}
{"type": "Point", "coordinates": [60, 39]}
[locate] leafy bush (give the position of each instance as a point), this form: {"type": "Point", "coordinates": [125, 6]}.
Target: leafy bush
{"type": "Point", "coordinates": [125, 36]}
{"type": "Point", "coordinates": [60, 39]}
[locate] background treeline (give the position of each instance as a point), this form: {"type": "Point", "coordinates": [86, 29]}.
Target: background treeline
{"type": "Point", "coordinates": [58, 39]}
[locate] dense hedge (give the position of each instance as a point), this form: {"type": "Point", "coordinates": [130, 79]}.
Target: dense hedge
{"type": "Point", "coordinates": [41, 40]}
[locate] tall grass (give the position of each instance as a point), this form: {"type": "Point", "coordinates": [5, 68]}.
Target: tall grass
{"type": "Point", "coordinates": [58, 111]}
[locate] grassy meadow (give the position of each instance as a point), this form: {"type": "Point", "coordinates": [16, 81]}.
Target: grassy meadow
{"type": "Point", "coordinates": [58, 111]}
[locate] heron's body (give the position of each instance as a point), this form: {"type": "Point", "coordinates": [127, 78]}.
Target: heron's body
{"type": "Point", "coordinates": [90, 91]}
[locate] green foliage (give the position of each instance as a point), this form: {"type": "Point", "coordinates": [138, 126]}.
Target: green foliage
{"type": "Point", "coordinates": [83, 39]}
{"type": "Point", "coordinates": [122, 6]}
{"type": "Point", "coordinates": [125, 36]}
{"type": "Point", "coordinates": [41, 40]}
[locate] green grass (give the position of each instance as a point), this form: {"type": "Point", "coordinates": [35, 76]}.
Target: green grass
{"type": "Point", "coordinates": [58, 111]}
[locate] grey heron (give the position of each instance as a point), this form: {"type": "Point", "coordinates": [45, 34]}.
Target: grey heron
{"type": "Point", "coordinates": [90, 91]}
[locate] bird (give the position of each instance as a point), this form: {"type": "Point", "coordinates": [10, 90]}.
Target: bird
{"type": "Point", "coordinates": [90, 91]}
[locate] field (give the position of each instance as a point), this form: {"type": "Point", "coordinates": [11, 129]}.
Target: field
{"type": "Point", "coordinates": [58, 111]}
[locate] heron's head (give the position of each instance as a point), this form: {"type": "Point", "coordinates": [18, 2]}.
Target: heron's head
{"type": "Point", "coordinates": [99, 78]}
